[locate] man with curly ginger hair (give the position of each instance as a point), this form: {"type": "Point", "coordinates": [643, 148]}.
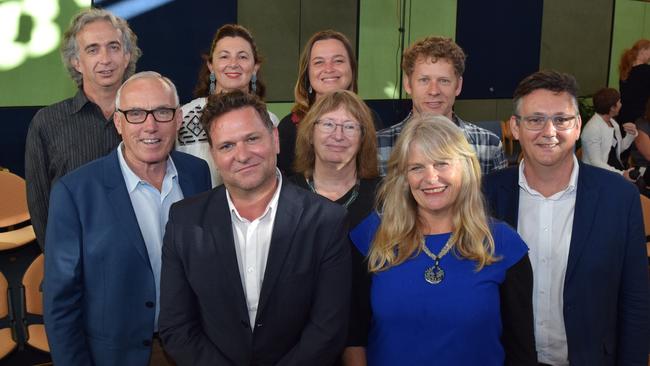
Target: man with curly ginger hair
{"type": "Point", "coordinates": [100, 51]}
{"type": "Point", "coordinates": [433, 69]}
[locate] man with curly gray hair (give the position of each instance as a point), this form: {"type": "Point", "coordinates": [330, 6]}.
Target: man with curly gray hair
{"type": "Point", "coordinates": [100, 51]}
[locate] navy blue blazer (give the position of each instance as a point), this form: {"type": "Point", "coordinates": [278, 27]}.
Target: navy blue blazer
{"type": "Point", "coordinates": [304, 302]}
{"type": "Point", "coordinates": [99, 292]}
{"type": "Point", "coordinates": [606, 284]}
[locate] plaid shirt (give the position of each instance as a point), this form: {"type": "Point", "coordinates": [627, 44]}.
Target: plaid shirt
{"type": "Point", "coordinates": [486, 144]}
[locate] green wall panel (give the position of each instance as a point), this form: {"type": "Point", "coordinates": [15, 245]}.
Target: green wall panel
{"type": "Point", "coordinates": [576, 38]}
{"type": "Point", "coordinates": [631, 22]}
{"type": "Point", "coordinates": [380, 49]}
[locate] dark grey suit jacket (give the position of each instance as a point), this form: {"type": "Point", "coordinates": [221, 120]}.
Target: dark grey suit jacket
{"type": "Point", "coordinates": [305, 296]}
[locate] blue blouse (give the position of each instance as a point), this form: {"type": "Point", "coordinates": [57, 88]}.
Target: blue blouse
{"type": "Point", "coordinates": [455, 322]}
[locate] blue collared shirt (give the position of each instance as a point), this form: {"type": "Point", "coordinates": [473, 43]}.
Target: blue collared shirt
{"type": "Point", "coordinates": [152, 211]}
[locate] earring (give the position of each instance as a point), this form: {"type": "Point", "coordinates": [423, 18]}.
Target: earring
{"type": "Point", "coordinates": [254, 84]}
{"type": "Point", "coordinates": [213, 79]}
{"type": "Point", "coordinates": [310, 90]}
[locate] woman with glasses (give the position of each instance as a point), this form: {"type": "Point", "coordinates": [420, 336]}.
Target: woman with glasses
{"type": "Point", "coordinates": [602, 143]}
{"type": "Point", "coordinates": [327, 63]}
{"type": "Point", "coordinates": [450, 286]}
{"type": "Point", "coordinates": [336, 157]}
{"type": "Point", "coordinates": [233, 63]}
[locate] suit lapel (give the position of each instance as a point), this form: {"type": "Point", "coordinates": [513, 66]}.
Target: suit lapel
{"type": "Point", "coordinates": [217, 218]}
{"type": "Point", "coordinates": [286, 223]}
{"type": "Point", "coordinates": [509, 197]}
{"type": "Point", "coordinates": [583, 218]}
{"type": "Point", "coordinates": [122, 207]}
{"type": "Point", "coordinates": [187, 185]}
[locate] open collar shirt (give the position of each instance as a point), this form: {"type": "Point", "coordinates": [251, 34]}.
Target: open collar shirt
{"type": "Point", "coordinates": [151, 208]}
{"type": "Point", "coordinates": [252, 243]}
{"type": "Point", "coordinates": [546, 225]}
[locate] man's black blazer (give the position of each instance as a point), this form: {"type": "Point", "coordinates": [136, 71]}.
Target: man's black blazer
{"type": "Point", "coordinates": [305, 296]}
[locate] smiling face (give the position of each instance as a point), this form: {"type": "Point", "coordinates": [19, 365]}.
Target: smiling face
{"type": "Point", "coordinates": [547, 148]}
{"type": "Point", "coordinates": [233, 64]}
{"type": "Point", "coordinates": [102, 59]}
{"type": "Point", "coordinates": [149, 143]}
{"type": "Point", "coordinates": [336, 148]}
{"type": "Point", "coordinates": [434, 184]}
{"type": "Point", "coordinates": [329, 67]}
{"type": "Point", "coordinates": [244, 151]}
{"type": "Point", "coordinates": [433, 86]}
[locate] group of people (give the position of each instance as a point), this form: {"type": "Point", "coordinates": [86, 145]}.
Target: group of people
{"type": "Point", "coordinates": [301, 253]}
{"type": "Point", "coordinates": [623, 148]}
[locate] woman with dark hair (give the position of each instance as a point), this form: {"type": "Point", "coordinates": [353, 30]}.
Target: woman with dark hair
{"type": "Point", "coordinates": [449, 286]}
{"type": "Point", "coordinates": [232, 64]}
{"type": "Point", "coordinates": [602, 143]}
{"type": "Point", "coordinates": [327, 63]}
{"type": "Point", "coordinates": [634, 84]}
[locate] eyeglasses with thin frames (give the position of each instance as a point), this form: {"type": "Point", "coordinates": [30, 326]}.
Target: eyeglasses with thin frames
{"type": "Point", "coordinates": [537, 122]}
{"type": "Point", "coordinates": [349, 128]}
{"type": "Point", "coordinates": [137, 116]}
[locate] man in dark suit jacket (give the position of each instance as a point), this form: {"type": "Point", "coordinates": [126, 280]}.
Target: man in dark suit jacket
{"type": "Point", "coordinates": [585, 232]}
{"type": "Point", "coordinates": [104, 236]}
{"type": "Point", "coordinates": [257, 271]}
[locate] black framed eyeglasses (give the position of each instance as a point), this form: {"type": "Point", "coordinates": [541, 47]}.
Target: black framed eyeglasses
{"type": "Point", "coordinates": [537, 122]}
{"type": "Point", "coordinates": [136, 116]}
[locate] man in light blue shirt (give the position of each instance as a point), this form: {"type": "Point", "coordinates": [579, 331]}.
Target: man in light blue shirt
{"type": "Point", "coordinates": [104, 235]}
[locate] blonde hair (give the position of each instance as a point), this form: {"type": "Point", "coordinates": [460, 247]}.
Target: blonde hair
{"type": "Point", "coordinates": [629, 56]}
{"type": "Point", "coordinates": [399, 236]}
{"type": "Point", "coordinates": [366, 159]}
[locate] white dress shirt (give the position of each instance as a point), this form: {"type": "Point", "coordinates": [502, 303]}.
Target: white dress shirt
{"type": "Point", "coordinates": [597, 139]}
{"type": "Point", "coordinates": [546, 224]}
{"type": "Point", "coordinates": [151, 208]}
{"type": "Point", "coordinates": [252, 242]}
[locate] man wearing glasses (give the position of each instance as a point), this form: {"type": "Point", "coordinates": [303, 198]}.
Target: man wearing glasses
{"type": "Point", "coordinates": [585, 232]}
{"type": "Point", "coordinates": [105, 230]}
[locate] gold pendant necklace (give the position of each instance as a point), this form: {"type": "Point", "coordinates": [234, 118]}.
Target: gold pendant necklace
{"type": "Point", "coordinates": [434, 274]}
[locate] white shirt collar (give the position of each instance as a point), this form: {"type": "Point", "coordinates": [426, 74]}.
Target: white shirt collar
{"type": "Point", "coordinates": [131, 179]}
{"type": "Point", "coordinates": [271, 207]}
{"type": "Point", "coordinates": [571, 187]}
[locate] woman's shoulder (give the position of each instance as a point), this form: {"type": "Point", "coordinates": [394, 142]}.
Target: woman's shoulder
{"type": "Point", "coordinates": [364, 233]}
{"type": "Point", "coordinates": [507, 242]}
{"type": "Point", "coordinates": [194, 105]}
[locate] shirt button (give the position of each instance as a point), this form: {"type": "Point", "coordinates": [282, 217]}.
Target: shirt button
{"type": "Point", "coordinates": [250, 269]}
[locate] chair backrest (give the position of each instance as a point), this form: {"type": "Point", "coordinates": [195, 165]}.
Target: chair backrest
{"type": "Point", "coordinates": [13, 195]}
{"type": "Point", "coordinates": [32, 282]}
{"type": "Point", "coordinates": [4, 296]}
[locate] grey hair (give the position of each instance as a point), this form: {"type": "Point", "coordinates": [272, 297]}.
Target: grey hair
{"type": "Point", "coordinates": [70, 48]}
{"type": "Point", "coordinates": [147, 75]}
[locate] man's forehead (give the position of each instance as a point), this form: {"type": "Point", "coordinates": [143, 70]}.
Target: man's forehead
{"type": "Point", "coordinates": [152, 91]}
{"type": "Point", "coordinates": [92, 30]}
{"type": "Point", "coordinates": [548, 99]}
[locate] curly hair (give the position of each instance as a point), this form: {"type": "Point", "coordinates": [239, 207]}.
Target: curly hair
{"type": "Point", "coordinates": [366, 158]}
{"type": "Point", "coordinates": [70, 48]}
{"type": "Point", "coordinates": [434, 48]}
{"type": "Point", "coordinates": [303, 100]}
{"type": "Point", "coordinates": [628, 57]}
{"type": "Point", "coordinates": [202, 88]}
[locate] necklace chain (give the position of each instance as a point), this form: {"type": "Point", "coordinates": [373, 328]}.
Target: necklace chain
{"type": "Point", "coordinates": [442, 253]}
{"type": "Point", "coordinates": [353, 195]}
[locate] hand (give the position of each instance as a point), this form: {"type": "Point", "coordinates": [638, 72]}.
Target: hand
{"type": "Point", "coordinates": [630, 128]}
{"type": "Point", "coordinates": [626, 175]}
